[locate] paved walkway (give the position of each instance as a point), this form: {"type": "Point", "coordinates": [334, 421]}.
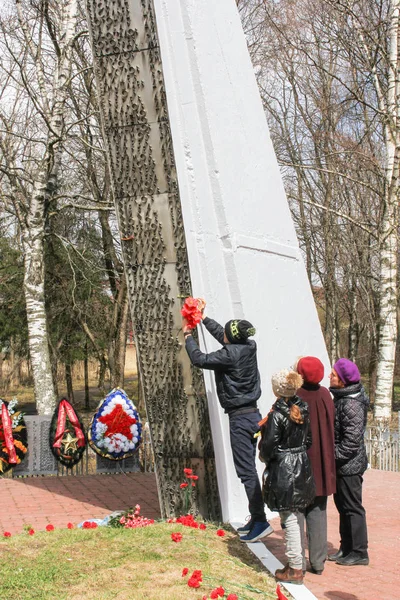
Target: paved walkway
{"type": "Point", "coordinates": [37, 501]}
{"type": "Point", "coordinates": [59, 500]}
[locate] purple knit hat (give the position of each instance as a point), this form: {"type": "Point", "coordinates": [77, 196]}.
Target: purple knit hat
{"type": "Point", "coordinates": [347, 371]}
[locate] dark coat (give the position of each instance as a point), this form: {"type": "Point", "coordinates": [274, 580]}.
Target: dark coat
{"type": "Point", "coordinates": [235, 365]}
{"type": "Point", "coordinates": [351, 404]}
{"type": "Point", "coordinates": [321, 410]}
{"type": "Point", "coordinates": [289, 483]}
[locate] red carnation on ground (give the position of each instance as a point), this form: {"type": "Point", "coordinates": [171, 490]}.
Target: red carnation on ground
{"type": "Point", "coordinates": [232, 597]}
{"type": "Point", "coordinates": [280, 594]}
{"type": "Point", "coordinates": [89, 525]}
{"type": "Point", "coordinates": [202, 526]}
{"type": "Point", "coordinates": [220, 532]}
{"type": "Point", "coordinates": [70, 525]}
{"type": "Point", "coordinates": [7, 534]}
{"type": "Point", "coordinates": [49, 527]}
{"type": "Point", "coordinates": [188, 521]}
{"type": "Point", "coordinates": [31, 532]}
{"type": "Point", "coordinates": [217, 593]}
{"type": "Point", "coordinates": [191, 312]}
{"type": "Point", "coordinates": [176, 537]}
{"type": "Point", "coordinates": [185, 571]}
{"type": "Point", "coordinates": [195, 579]}
{"type": "Point", "coordinates": [193, 583]}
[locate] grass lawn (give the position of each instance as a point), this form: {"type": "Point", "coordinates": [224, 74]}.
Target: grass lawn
{"type": "Point", "coordinates": [129, 564]}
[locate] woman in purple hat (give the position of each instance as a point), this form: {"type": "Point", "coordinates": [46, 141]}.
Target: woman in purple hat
{"type": "Point", "coordinates": [351, 404]}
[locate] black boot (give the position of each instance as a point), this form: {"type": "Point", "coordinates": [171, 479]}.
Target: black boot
{"type": "Point", "coordinates": [336, 556]}
{"type": "Point", "coordinates": [352, 559]}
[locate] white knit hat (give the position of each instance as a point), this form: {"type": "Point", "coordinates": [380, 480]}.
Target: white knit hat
{"type": "Point", "coordinates": [285, 383]}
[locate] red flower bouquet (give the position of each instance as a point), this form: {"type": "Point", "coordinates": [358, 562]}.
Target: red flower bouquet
{"type": "Point", "coordinates": [191, 311]}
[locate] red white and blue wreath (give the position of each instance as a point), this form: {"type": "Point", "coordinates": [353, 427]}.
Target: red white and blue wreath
{"type": "Point", "coordinates": [115, 431]}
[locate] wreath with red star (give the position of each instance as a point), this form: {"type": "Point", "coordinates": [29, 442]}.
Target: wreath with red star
{"type": "Point", "coordinates": [67, 436]}
{"type": "Point", "coordinates": [115, 430]}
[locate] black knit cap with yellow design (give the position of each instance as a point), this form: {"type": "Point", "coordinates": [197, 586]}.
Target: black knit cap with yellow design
{"type": "Point", "coordinates": [238, 330]}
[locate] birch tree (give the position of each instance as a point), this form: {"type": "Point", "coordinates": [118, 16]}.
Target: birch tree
{"type": "Point", "coordinates": [335, 125]}
{"type": "Point", "coordinates": [34, 38]}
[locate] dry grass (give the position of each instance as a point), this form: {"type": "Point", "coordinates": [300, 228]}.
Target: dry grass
{"type": "Point", "coordinates": [141, 564]}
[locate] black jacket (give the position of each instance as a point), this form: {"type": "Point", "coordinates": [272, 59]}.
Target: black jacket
{"type": "Point", "coordinates": [288, 479]}
{"type": "Point", "coordinates": [351, 404]}
{"type": "Point", "coordinates": [235, 366]}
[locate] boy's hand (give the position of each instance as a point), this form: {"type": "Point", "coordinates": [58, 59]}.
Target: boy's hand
{"type": "Point", "coordinates": [201, 304]}
{"type": "Point", "coordinates": [185, 326]}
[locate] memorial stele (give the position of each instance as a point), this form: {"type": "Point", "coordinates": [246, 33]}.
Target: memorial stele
{"type": "Point", "coordinates": [202, 211]}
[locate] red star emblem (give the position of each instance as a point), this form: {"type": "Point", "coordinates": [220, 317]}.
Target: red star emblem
{"type": "Point", "coordinates": [118, 421]}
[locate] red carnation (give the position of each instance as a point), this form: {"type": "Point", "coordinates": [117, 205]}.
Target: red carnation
{"type": "Point", "coordinates": [197, 574]}
{"type": "Point", "coordinates": [194, 583]}
{"type": "Point", "coordinates": [176, 537]}
{"type": "Point", "coordinates": [280, 594]}
{"type": "Point", "coordinates": [49, 527]}
{"type": "Point", "coordinates": [185, 571]}
{"type": "Point", "coordinates": [221, 591]}
{"type": "Point", "coordinates": [195, 477]}
{"type": "Point", "coordinates": [31, 532]}
{"type": "Point", "coordinates": [202, 526]}
{"type": "Point", "coordinates": [183, 485]}
{"type": "Point", "coordinates": [7, 534]}
{"type": "Point", "coordinates": [70, 525]}
{"type": "Point", "coordinates": [188, 471]}
{"type": "Point", "coordinates": [214, 594]}
{"type": "Point", "coordinates": [232, 597]}
{"type": "Point", "coordinates": [220, 532]}
{"type": "Point", "coordinates": [191, 312]}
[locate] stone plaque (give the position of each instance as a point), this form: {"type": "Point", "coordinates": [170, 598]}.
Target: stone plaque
{"type": "Point", "coordinates": [39, 460]}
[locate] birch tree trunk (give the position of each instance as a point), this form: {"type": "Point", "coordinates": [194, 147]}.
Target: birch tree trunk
{"type": "Point", "coordinates": [33, 230]}
{"type": "Point", "coordinates": [388, 294]}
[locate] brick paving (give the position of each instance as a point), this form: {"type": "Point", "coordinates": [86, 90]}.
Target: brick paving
{"type": "Point", "coordinates": [38, 501]}
{"type": "Point", "coordinates": [58, 500]}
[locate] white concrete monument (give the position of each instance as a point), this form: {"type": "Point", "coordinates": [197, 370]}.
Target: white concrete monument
{"type": "Point", "coordinates": [187, 140]}
{"type": "Point", "coordinates": [243, 252]}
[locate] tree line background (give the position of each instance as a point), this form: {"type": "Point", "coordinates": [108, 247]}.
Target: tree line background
{"type": "Point", "coordinates": [328, 74]}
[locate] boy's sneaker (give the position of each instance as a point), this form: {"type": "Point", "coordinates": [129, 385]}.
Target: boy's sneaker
{"type": "Point", "coordinates": [246, 527]}
{"type": "Point", "coordinates": [258, 531]}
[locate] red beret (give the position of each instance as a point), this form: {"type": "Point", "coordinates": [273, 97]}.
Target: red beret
{"type": "Point", "coordinates": [311, 369]}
